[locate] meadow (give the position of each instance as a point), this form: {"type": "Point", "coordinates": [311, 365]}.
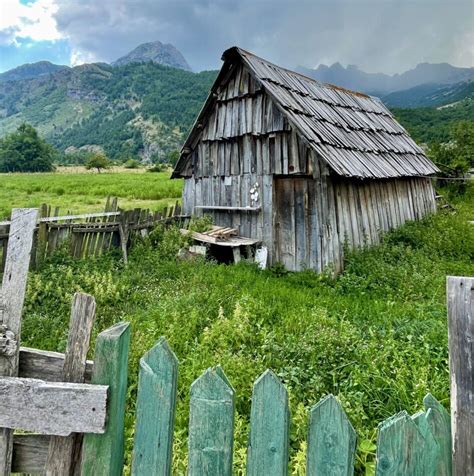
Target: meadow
{"type": "Point", "coordinates": [375, 336]}
{"type": "Point", "coordinates": [80, 191]}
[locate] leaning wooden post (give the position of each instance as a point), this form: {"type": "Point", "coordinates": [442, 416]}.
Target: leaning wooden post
{"type": "Point", "coordinates": [11, 305]}
{"type": "Point", "coordinates": [103, 454]}
{"type": "Point", "coordinates": [156, 402]}
{"type": "Point", "coordinates": [460, 294]}
{"type": "Point", "coordinates": [61, 449]}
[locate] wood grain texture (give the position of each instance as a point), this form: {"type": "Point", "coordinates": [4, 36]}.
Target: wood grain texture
{"type": "Point", "coordinates": [30, 453]}
{"type": "Point", "coordinates": [331, 440]}
{"type": "Point", "coordinates": [438, 419]}
{"type": "Point", "coordinates": [211, 424]}
{"type": "Point", "coordinates": [46, 365]}
{"type": "Point", "coordinates": [52, 408]}
{"type": "Point", "coordinates": [400, 446]}
{"type": "Point", "coordinates": [460, 292]}
{"type": "Point", "coordinates": [267, 452]}
{"type": "Point", "coordinates": [103, 454]}
{"type": "Point", "coordinates": [156, 403]}
{"type": "Point", "coordinates": [11, 307]}
{"type": "Point", "coordinates": [62, 449]}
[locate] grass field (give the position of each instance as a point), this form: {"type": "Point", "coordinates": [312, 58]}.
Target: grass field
{"type": "Point", "coordinates": [374, 336]}
{"type": "Point", "coordinates": [82, 191]}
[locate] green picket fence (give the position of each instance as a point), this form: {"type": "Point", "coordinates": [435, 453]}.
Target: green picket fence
{"type": "Point", "coordinates": [406, 445]}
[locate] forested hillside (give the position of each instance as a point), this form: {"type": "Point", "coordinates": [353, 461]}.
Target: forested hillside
{"type": "Point", "coordinates": [136, 109]}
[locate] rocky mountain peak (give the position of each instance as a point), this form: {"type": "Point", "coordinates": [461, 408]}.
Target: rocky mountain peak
{"type": "Point", "coordinates": [165, 54]}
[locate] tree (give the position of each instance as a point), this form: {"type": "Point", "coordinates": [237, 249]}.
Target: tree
{"type": "Point", "coordinates": [455, 157]}
{"type": "Point", "coordinates": [25, 151]}
{"type": "Point", "coordinates": [97, 161]}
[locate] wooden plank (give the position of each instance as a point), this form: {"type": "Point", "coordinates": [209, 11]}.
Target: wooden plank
{"type": "Point", "coordinates": [431, 450]}
{"type": "Point", "coordinates": [45, 365]}
{"type": "Point", "coordinates": [11, 306]}
{"type": "Point", "coordinates": [61, 449]}
{"type": "Point", "coordinates": [42, 235]}
{"type": "Point", "coordinates": [156, 403]}
{"type": "Point", "coordinates": [331, 440]}
{"type": "Point", "coordinates": [52, 408]}
{"type": "Point", "coordinates": [103, 454]}
{"type": "Point", "coordinates": [29, 453]}
{"type": "Point", "coordinates": [438, 419]}
{"type": "Point", "coordinates": [211, 424]}
{"type": "Point", "coordinates": [460, 294]}
{"type": "Point", "coordinates": [269, 427]}
{"type": "Point", "coordinates": [400, 447]}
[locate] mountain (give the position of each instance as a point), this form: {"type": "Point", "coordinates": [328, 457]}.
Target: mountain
{"type": "Point", "coordinates": [136, 109]}
{"type": "Point", "coordinates": [31, 70]}
{"type": "Point", "coordinates": [156, 52]}
{"type": "Point", "coordinates": [381, 84]}
{"type": "Point", "coordinates": [431, 95]}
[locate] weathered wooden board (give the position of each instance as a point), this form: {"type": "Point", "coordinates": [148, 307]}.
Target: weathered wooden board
{"type": "Point", "coordinates": [30, 453]}
{"type": "Point", "coordinates": [11, 307]}
{"type": "Point", "coordinates": [267, 451]}
{"type": "Point", "coordinates": [460, 293]}
{"type": "Point", "coordinates": [52, 408]}
{"type": "Point", "coordinates": [331, 440]}
{"type": "Point", "coordinates": [156, 403]}
{"type": "Point", "coordinates": [46, 365]}
{"type": "Point", "coordinates": [211, 424]}
{"type": "Point", "coordinates": [103, 454]}
{"type": "Point", "coordinates": [61, 458]}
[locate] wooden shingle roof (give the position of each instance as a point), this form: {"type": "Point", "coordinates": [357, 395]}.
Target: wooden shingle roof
{"type": "Point", "coordinates": [355, 134]}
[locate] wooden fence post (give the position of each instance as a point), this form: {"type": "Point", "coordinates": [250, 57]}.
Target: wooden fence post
{"type": "Point", "coordinates": [269, 427]}
{"type": "Point", "coordinates": [103, 454]}
{"type": "Point", "coordinates": [331, 440]}
{"type": "Point", "coordinates": [211, 425]}
{"type": "Point", "coordinates": [61, 459]}
{"type": "Point", "coordinates": [460, 294]}
{"type": "Point", "coordinates": [11, 307]}
{"type": "Point", "coordinates": [156, 402]}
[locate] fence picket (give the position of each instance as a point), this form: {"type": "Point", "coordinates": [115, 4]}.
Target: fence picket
{"type": "Point", "coordinates": [331, 440]}
{"type": "Point", "coordinates": [267, 452]}
{"type": "Point", "coordinates": [156, 402]}
{"type": "Point", "coordinates": [439, 421]}
{"type": "Point", "coordinates": [211, 424]}
{"type": "Point", "coordinates": [431, 451]}
{"type": "Point", "coordinates": [399, 447]}
{"type": "Point", "coordinates": [103, 454]}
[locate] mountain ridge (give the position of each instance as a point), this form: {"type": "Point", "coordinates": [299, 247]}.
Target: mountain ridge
{"type": "Point", "coordinates": [380, 84]}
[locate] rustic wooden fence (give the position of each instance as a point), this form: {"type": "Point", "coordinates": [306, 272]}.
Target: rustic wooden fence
{"type": "Point", "coordinates": [89, 234]}
{"type": "Point", "coordinates": [86, 420]}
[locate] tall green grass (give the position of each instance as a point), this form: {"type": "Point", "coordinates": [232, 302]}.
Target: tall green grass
{"type": "Point", "coordinates": [375, 336]}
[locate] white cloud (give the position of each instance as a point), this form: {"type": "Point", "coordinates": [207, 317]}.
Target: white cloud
{"type": "Point", "coordinates": [34, 20]}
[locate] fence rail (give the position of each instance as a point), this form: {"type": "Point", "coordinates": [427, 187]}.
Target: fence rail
{"type": "Point", "coordinates": [89, 234]}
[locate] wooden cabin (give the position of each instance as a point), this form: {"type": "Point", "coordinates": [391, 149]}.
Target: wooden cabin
{"type": "Point", "coordinates": [301, 166]}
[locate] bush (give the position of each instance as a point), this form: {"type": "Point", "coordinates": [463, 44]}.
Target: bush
{"type": "Point", "coordinates": [131, 164]}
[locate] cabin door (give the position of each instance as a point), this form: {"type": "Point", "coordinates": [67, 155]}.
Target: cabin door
{"type": "Point", "coordinates": [294, 222]}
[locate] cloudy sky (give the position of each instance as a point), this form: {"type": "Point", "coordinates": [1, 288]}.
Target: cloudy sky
{"type": "Point", "coordinates": [377, 35]}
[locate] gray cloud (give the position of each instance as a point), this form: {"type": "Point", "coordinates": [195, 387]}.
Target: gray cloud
{"type": "Point", "coordinates": [377, 35]}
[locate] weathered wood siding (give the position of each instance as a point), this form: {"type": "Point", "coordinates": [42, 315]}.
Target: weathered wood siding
{"type": "Point", "coordinates": [302, 213]}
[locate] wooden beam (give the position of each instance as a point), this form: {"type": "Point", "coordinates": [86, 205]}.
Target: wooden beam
{"type": "Point", "coordinates": [30, 453]}
{"type": "Point", "coordinates": [62, 449]}
{"type": "Point", "coordinates": [11, 306]}
{"type": "Point", "coordinates": [460, 294]}
{"type": "Point", "coordinates": [46, 365]}
{"type": "Point", "coordinates": [52, 408]}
